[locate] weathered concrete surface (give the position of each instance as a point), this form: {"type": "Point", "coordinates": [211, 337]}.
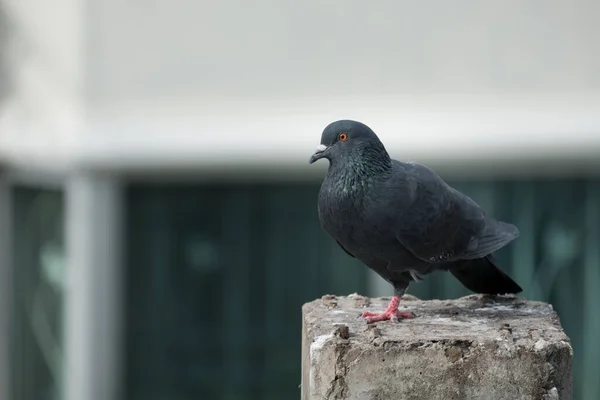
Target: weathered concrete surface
{"type": "Point", "coordinates": [476, 347]}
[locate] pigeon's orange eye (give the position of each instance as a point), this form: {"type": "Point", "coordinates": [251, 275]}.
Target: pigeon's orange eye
{"type": "Point", "coordinates": [343, 137]}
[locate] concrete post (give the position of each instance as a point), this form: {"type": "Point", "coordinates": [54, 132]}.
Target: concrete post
{"type": "Point", "coordinates": [476, 347]}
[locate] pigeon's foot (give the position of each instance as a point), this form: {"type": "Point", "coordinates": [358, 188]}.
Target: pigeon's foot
{"type": "Point", "coordinates": [393, 316]}
{"type": "Point", "coordinates": [391, 313]}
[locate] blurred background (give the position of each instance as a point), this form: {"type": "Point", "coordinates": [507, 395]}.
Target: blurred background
{"type": "Point", "coordinates": [158, 223]}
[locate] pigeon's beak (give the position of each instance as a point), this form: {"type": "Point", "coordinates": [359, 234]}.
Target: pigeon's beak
{"type": "Point", "coordinates": [320, 153]}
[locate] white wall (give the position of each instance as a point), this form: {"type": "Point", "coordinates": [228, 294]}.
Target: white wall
{"type": "Point", "coordinates": [46, 53]}
{"type": "Point", "coordinates": [267, 48]}
{"type": "Point", "coordinates": [186, 83]}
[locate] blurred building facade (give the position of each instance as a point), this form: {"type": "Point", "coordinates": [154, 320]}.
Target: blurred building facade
{"type": "Point", "coordinates": [158, 227]}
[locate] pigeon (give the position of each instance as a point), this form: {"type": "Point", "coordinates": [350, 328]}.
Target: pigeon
{"type": "Point", "coordinates": [402, 220]}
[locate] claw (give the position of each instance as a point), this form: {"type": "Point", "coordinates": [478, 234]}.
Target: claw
{"type": "Point", "coordinates": [368, 314]}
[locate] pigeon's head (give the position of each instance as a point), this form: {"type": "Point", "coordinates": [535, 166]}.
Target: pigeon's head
{"type": "Point", "coordinates": [345, 137]}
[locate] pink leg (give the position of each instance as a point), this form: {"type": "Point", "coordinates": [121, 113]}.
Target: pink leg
{"type": "Point", "coordinates": [390, 313]}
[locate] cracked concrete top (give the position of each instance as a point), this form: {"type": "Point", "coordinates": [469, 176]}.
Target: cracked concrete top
{"type": "Point", "coordinates": [474, 317]}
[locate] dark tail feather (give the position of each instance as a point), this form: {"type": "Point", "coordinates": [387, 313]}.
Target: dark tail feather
{"type": "Point", "coordinates": [482, 275]}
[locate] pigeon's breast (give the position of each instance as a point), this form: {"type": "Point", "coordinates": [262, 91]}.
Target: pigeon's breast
{"type": "Point", "coordinates": [344, 214]}
{"type": "Point", "coordinates": [338, 207]}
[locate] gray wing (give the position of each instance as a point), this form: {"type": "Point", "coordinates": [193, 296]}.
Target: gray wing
{"type": "Point", "coordinates": [443, 224]}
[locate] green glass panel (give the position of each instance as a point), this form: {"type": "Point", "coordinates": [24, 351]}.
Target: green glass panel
{"type": "Point", "coordinates": [216, 278]}
{"type": "Point", "coordinates": [38, 293]}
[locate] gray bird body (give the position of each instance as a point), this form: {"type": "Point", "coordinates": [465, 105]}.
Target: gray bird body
{"type": "Point", "coordinates": [402, 220]}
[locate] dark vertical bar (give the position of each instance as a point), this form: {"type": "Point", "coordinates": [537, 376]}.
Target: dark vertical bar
{"type": "Point", "coordinates": [237, 293]}
{"type": "Point", "coordinates": [524, 249]}
{"type": "Point", "coordinates": [255, 306]}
